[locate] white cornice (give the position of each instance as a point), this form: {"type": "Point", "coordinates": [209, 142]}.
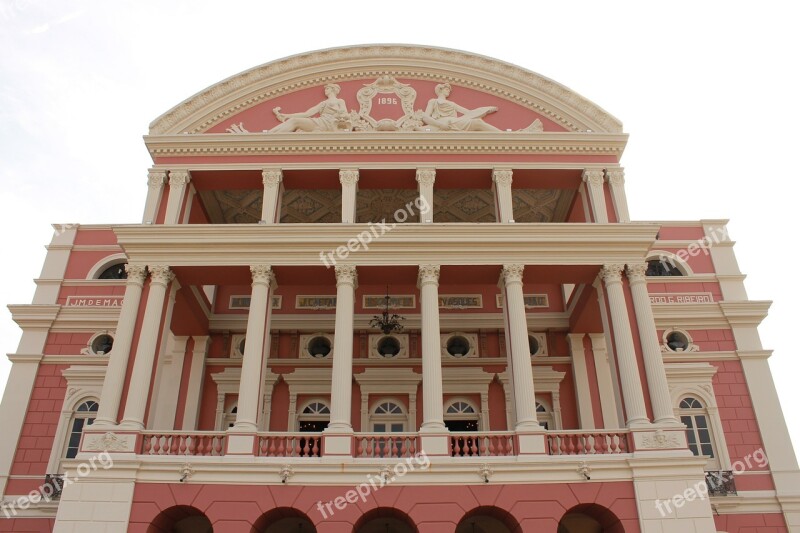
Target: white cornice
{"type": "Point", "coordinates": [711, 315]}
{"type": "Point", "coordinates": [34, 316]}
{"type": "Point", "coordinates": [510, 82]}
{"type": "Point", "coordinates": [350, 143]}
{"type": "Point", "coordinates": [407, 244]}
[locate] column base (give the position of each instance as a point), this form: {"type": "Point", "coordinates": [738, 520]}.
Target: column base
{"type": "Point", "coordinates": [131, 425]}
{"type": "Point", "coordinates": [433, 427]}
{"type": "Point", "coordinates": [243, 427]}
{"type": "Point", "coordinates": [670, 422]}
{"type": "Point", "coordinates": [640, 423]}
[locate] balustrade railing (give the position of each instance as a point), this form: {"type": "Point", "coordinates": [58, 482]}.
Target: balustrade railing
{"type": "Point", "coordinates": [183, 444]}
{"type": "Point", "coordinates": [289, 445]}
{"type": "Point", "coordinates": [385, 445]}
{"type": "Point", "coordinates": [482, 444]}
{"type": "Point", "coordinates": [587, 443]}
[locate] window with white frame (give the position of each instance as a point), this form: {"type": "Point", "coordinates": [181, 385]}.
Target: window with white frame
{"type": "Point", "coordinates": [84, 416]}
{"type": "Point", "coordinates": [694, 416]}
{"type": "Point", "coordinates": [460, 415]}
{"type": "Point", "coordinates": [544, 415]}
{"type": "Point", "coordinates": [388, 417]}
{"type": "Point", "coordinates": [314, 417]}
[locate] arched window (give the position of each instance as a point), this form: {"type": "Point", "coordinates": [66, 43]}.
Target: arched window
{"type": "Point", "coordinates": [698, 432]}
{"type": "Point", "coordinates": [544, 415]}
{"type": "Point", "coordinates": [314, 417]}
{"type": "Point", "coordinates": [230, 417]}
{"type": "Point", "coordinates": [116, 271]}
{"type": "Point", "coordinates": [388, 417]}
{"type": "Point", "coordinates": [460, 415]}
{"type": "Point", "coordinates": [84, 416]}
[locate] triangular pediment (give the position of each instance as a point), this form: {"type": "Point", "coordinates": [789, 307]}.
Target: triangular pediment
{"type": "Point", "coordinates": [385, 88]}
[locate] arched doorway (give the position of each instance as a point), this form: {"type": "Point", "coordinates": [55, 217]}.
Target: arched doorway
{"type": "Point", "coordinates": [283, 520]}
{"type": "Point", "coordinates": [181, 519]}
{"type": "Point", "coordinates": [385, 520]}
{"type": "Point", "coordinates": [488, 519]}
{"type": "Point", "coordinates": [590, 518]}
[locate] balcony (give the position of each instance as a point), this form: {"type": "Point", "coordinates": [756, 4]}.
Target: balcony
{"type": "Point", "coordinates": [595, 443]}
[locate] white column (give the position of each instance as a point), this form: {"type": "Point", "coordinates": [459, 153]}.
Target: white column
{"type": "Point", "coordinates": [432, 398]}
{"type": "Point", "coordinates": [114, 380]}
{"type": "Point", "coordinates": [616, 181]}
{"type": "Point", "coordinates": [502, 193]}
{"type": "Point", "coordinates": [155, 190]}
{"type": "Point", "coordinates": [630, 380]}
{"type": "Point", "coordinates": [342, 376]}
{"type": "Point", "coordinates": [426, 177]}
{"type": "Point", "coordinates": [605, 383]}
{"type": "Point", "coordinates": [194, 390]}
{"type": "Point", "coordinates": [349, 180]}
{"type": "Point", "coordinates": [651, 349]}
{"type": "Point", "coordinates": [272, 179]}
{"type": "Point", "coordinates": [252, 360]}
{"type": "Point", "coordinates": [522, 372]}
{"type": "Point", "coordinates": [580, 374]}
{"type": "Point", "coordinates": [140, 382]}
{"type": "Point", "coordinates": [594, 183]}
{"type": "Point", "coordinates": [178, 181]}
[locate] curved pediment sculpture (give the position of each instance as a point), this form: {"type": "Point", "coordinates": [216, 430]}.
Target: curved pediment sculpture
{"type": "Point", "coordinates": [525, 101]}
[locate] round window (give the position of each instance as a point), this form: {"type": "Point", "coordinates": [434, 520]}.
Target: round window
{"type": "Point", "coordinates": [677, 341]}
{"type": "Point", "coordinates": [319, 347]}
{"type": "Point", "coordinates": [389, 347]}
{"type": "Point", "coordinates": [242, 346]}
{"type": "Point", "coordinates": [102, 344]}
{"type": "Point", "coordinates": [533, 345]}
{"type": "Point", "coordinates": [458, 346]}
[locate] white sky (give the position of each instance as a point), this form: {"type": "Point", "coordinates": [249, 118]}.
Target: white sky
{"type": "Point", "coordinates": [707, 90]}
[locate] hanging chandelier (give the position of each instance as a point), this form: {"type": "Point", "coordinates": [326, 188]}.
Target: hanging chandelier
{"type": "Point", "coordinates": [387, 323]}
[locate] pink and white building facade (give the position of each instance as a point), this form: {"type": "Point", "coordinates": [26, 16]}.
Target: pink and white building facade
{"type": "Point", "coordinates": [231, 363]}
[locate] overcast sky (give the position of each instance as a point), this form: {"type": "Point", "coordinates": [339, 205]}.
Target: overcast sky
{"type": "Point", "coordinates": [707, 90]}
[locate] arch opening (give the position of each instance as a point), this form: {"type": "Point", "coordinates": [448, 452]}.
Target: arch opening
{"type": "Point", "coordinates": [590, 518]}
{"type": "Point", "coordinates": [283, 520]}
{"type": "Point", "coordinates": [181, 519]}
{"type": "Point", "coordinates": [488, 519]}
{"type": "Point", "coordinates": [385, 520]}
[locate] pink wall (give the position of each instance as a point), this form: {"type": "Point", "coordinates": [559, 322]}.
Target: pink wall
{"type": "Point", "coordinates": [751, 523]}
{"type": "Point", "coordinates": [433, 509]}
{"type": "Point", "coordinates": [39, 429]}
{"type": "Point", "coordinates": [27, 525]}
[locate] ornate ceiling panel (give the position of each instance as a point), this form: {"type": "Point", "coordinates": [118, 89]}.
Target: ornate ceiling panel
{"type": "Point", "coordinates": [302, 205]}
{"type": "Point", "coordinates": [374, 205]}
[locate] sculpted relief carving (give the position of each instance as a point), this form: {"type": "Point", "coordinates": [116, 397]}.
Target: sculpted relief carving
{"type": "Point", "coordinates": [440, 114]}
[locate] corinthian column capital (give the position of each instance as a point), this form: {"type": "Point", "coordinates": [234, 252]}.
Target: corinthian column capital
{"type": "Point", "coordinates": [593, 176]}
{"type": "Point", "coordinates": [428, 274]}
{"type": "Point", "coordinates": [346, 274]}
{"type": "Point", "coordinates": [136, 273]}
{"type": "Point", "coordinates": [612, 272]}
{"type": "Point", "coordinates": [348, 177]}
{"type": "Point", "coordinates": [179, 177]}
{"type": "Point", "coordinates": [636, 272]}
{"type": "Point", "coordinates": [513, 273]}
{"type": "Point", "coordinates": [161, 274]}
{"type": "Point", "coordinates": [426, 176]}
{"type": "Point", "coordinates": [502, 176]}
{"type": "Point", "coordinates": [615, 176]}
{"type": "Point", "coordinates": [156, 178]}
{"type": "Point", "coordinates": [271, 177]}
{"type": "Point", "coordinates": [262, 274]}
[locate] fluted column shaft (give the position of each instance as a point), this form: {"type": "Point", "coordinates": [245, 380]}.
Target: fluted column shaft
{"type": "Point", "coordinates": [140, 382]}
{"type": "Point", "coordinates": [178, 181]}
{"type": "Point", "coordinates": [155, 190]}
{"type": "Point", "coordinates": [114, 380]}
{"type": "Point", "coordinates": [522, 372]}
{"type": "Point", "coordinates": [271, 179]}
{"type": "Point", "coordinates": [594, 183]}
{"type": "Point", "coordinates": [651, 348]}
{"type": "Point", "coordinates": [616, 181]}
{"type": "Point", "coordinates": [253, 357]}
{"type": "Point", "coordinates": [432, 398]}
{"type": "Point", "coordinates": [502, 179]}
{"type": "Point", "coordinates": [349, 180]}
{"type": "Point", "coordinates": [342, 378]}
{"type": "Point", "coordinates": [426, 178]}
{"type": "Point", "coordinates": [630, 380]}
